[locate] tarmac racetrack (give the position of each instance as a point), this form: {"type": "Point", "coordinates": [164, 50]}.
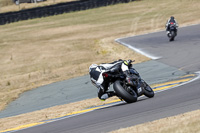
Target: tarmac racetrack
{"type": "Point", "coordinates": [182, 54]}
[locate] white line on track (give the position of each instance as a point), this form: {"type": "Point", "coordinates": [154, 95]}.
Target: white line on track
{"type": "Point", "coordinates": [138, 50]}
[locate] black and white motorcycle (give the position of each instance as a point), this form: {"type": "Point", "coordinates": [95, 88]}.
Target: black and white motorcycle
{"type": "Point", "coordinates": [130, 86]}
{"type": "Point", "coordinates": [172, 31]}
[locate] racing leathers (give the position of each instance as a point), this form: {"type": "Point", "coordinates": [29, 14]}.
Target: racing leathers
{"type": "Point", "coordinates": [170, 21]}
{"type": "Point", "coordinates": [96, 77]}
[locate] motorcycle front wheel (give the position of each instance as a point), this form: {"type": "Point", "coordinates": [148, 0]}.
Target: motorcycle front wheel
{"type": "Point", "coordinates": [148, 91]}
{"type": "Point", "coordinates": [128, 96]}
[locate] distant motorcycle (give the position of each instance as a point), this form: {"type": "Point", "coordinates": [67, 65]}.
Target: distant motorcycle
{"type": "Point", "coordinates": [172, 31]}
{"type": "Point", "coordinates": [130, 86]}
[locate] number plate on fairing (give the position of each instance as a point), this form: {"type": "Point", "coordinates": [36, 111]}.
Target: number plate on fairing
{"type": "Point", "coordinates": [139, 90]}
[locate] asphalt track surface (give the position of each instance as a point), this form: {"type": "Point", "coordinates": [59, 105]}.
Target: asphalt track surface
{"type": "Point", "coordinates": [183, 54]}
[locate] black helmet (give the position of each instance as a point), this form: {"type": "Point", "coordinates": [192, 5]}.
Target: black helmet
{"type": "Point", "coordinates": [172, 17]}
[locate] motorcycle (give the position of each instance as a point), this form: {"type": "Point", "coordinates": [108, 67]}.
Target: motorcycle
{"type": "Point", "coordinates": [172, 31]}
{"type": "Point", "coordinates": [129, 86]}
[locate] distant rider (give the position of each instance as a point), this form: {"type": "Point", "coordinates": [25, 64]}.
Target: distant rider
{"type": "Point", "coordinates": [96, 77]}
{"type": "Point", "coordinates": [169, 21]}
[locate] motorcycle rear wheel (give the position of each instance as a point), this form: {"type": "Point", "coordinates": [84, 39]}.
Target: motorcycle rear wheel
{"type": "Point", "coordinates": [124, 94]}
{"type": "Point", "coordinates": [172, 36]}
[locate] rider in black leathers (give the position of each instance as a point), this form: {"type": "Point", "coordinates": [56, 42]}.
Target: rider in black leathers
{"type": "Point", "coordinates": [169, 21]}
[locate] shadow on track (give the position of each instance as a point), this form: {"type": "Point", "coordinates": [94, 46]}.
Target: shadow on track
{"type": "Point", "coordinates": [123, 103]}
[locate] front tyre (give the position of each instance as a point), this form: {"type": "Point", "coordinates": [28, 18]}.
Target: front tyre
{"type": "Point", "coordinates": [127, 96]}
{"type": "Point", "coordinates": [148, 91]}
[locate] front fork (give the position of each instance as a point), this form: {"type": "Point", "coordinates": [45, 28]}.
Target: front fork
{"type": "Point", "coordinates": [137, 83]}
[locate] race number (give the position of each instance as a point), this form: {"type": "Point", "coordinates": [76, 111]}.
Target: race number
{"type": "Point", "coordinates": [139, 90]}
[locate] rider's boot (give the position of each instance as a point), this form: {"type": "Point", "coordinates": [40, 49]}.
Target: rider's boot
{"type": "Point", "coordinates": [107, 95]}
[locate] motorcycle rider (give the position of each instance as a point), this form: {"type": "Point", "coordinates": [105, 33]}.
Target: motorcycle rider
{"type": "Point", "coordinates": [96, 77]}
{"type": "Point", "coordinates": [169, 21]}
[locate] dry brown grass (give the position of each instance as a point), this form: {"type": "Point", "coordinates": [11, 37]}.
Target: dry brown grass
{"type": "Point", "coordinates": [183, 123]}
{"type": "Point", "coordinates": [42, 51]}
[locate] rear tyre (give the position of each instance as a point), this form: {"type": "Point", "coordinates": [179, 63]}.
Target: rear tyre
{"type": "Point", "coordinates": [129, 97]}
{"type": "Point", "coordinates": [172, 36]}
